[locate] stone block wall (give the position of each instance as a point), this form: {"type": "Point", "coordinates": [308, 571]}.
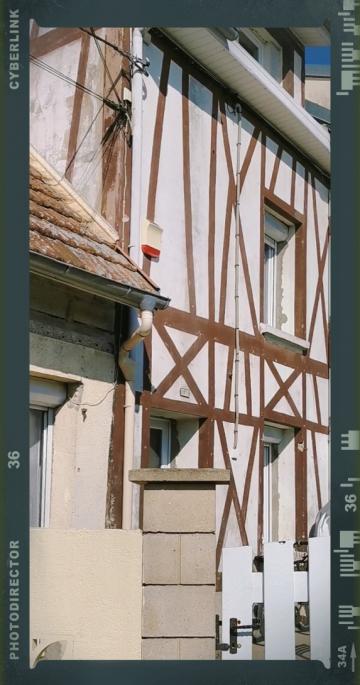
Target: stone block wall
{"type": "Point", "coordinates": [179, 576]}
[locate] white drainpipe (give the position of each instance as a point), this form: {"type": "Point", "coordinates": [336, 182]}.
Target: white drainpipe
{"type": "Point", "coordinates": [127, 366]}
{"type": "Point", "coordinates": [237, 280]}
{"type": "Point", "coordinates": [136, 158]}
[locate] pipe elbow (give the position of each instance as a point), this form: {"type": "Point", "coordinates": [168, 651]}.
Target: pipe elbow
{"type": "Point", "coordinates": [137, 336]}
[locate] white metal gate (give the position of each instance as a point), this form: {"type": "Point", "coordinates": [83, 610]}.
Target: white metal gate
{"type": "Point", "coordinates": [279, 587]}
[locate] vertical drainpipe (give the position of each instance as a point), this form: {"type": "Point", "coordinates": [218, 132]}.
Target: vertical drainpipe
{"type": "Point", "coordinates": [134, 251]}
{"type": "Point", "coordinates": [237, 279]}
{"type": "Point", "coordinates": [136, 157]}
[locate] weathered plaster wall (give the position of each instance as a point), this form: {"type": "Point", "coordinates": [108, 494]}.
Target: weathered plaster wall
{"type": "Point", "coordinates": [99, 618]}
{"type": "Point", "coordinates": [81, 438]}
{"type": "Point", "coordinates": [51, 108]}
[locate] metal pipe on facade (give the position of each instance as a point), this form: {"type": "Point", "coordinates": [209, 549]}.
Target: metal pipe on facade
{"type": "Point", "coordinates": [127, 366]}
{"type": "Point", "coordinates": [237, 279]}
{"type": "Point", "coordinates": [136, 129]}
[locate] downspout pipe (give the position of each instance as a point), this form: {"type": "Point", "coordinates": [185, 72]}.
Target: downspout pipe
{"type": "Point", "coordinates": [126, 363]}
{"type": "Point", "coordinates": [237, 277]}
{"type": "Point", "coordinates": [136, 130]}
{"type": "Point", "coordinates": [127, 366]}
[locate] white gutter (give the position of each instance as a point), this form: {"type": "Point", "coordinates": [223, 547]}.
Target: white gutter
{"type": "Point", "coordinates": [231, 65]}
{"type": "Point", "coordinates": [127, 366]}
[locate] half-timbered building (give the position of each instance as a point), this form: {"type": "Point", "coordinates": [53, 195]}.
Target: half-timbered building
{"type": "Point", "coordinates": [266, 277]}
{"type": "Point", "coordinates": [194, 144]}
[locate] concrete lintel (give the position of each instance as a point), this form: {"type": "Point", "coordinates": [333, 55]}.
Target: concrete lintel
{"type": "Point", "coordinates": [211, 476]}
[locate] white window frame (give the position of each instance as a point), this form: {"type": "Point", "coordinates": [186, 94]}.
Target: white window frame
{"type": "Point", "coordinates": [45, 395]}
{"type": "Point", "coordinates": [273, 235]}
{"type": "Point", "coordinates": [46, 443]}
{"type": "Point", "coordinates": [267, 502]}
{"type": "Point", "coordinates": [270, 282]}
{"type": "Point", "coordinates": [272, 437]}
{"type": "Point", "coordinates": [165, 427]}
{"type": "Point", "coordinates": [261, 39]}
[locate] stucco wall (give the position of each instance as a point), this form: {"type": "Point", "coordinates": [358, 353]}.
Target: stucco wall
{"type": "Point", "coordinates": [318, 90]}
{"type": "Point", "coordinates": [81, 436]}
{"type": "Point", "coordinates": [85, 590]}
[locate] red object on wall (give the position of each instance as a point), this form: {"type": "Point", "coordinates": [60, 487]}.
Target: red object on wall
{"type": "Point", "coordinates": [150, 251]}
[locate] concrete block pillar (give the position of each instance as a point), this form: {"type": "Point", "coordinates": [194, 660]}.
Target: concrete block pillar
{"type": "Point", "coordinates": [179, 573]}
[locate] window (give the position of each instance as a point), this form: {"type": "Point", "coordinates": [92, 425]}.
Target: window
{"type": "Point", "coordinates": [41, 423]}
{"type": "Point", "coordinates": [44, 397]}
{"type": "Point", "coordinates": [269, 456]}
{"type": "Point", "coordinates": [160, 443]}
{"type": "Point", "coordinates": [277, 276]}
{"type": "Point", "coordinates": [278, 483]}
{"type": "Point", "coordinates": [264, 49]}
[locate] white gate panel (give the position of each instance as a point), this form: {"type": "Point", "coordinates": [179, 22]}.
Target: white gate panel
{"type": "Point", "coordinates": [301, 590]}
{"type": "Point", "coordinates": [279, 600]}
{"type": "Point", "coordinates": [237, 598]}
{"type": "Point", "coordinates": [319, 597]}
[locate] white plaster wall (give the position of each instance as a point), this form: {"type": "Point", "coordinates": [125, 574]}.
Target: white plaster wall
{"type": "Point", "coordinates": [322, 448]}
{"type": "Point", "coordinates": [200, 107]}
{"type": "Point", "coordinates": [80, 442]}
{"type": "Point", "coordinates": [255, 384]}
{"type": "Point", "coordinates": [287, 284]}
{"type": "Point", "coordinates": [322, 208]}
{"type": "Point", "coordinates": [222, 184]}
{"type": "Point", "coordinates": [51, 106]}
{"type": "Point", "coordinates": [181, 339]}
{"type": "Point", "coordinates": [51, 101]}
{"type": "Point", "coordinates": [283, 181]}
{"type": "Point", "coordinates": [270, 158]}
{"type": "Point", "coordinates": [170, 272]}
{"type": "Point", "coordinates": [251, 522]}
{"type": "Point", "coordinates": [297, 77]}
{"type": "Point", "coordinates": [161, 360]}
{"type": "Point", "coordinates": [310, 399]}
{"type": "Point", "coordinates": [150, 99]}
{"type": "Point", "coordinates": [188, 438]}
{"type": "Point", "coordinates": [241, 386]}
{"type": "Point", "coordinates": [311, 260]}
{"type": "Point", "coordinates": [296, 392]}
{"type": "Point", "coordinates": [174, 392]}
{"type": "Point", "coordinates": [286, 487]}
{"type": "Point", "coordinates": [221, 357]}
{"type": "Point", "coordinates": [198, 368]}
{"type": "Point", "coordinates": [299, 187]}
{"type": "Point", "coordinates": [87, 176]}
{"type": "Point", "coordinates": [318, 90]}
{"type": "Point", "coordinates": [323, 389]}
{"type": "Point", "coordinates": [250, 219]}
{"type": "Point", "coordinates": [271, 385]}
{"type": "Point", "coordinates": [99, 618]}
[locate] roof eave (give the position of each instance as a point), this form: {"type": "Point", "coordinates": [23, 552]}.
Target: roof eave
{"type": "Point", "coordinates": [94, 284]}
{"type": "Point", "coordinates": [230, 64]}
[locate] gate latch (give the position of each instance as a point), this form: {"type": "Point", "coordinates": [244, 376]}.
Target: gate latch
{"type": "Point", "coordinates": [235, 626]}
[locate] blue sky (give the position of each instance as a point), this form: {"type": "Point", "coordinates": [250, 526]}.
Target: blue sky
{"type": "Point", "coordinates": [319, 55]}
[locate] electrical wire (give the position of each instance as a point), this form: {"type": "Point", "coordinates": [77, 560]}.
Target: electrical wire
{"type": "Point", "coordinates": [104, 63]}
{"type": "Point", "coordinates": [43, 65]}
{"type": "Point", "coordinates": [119, 107]}
{"type": "Point", "coordinates": [94, 404]}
